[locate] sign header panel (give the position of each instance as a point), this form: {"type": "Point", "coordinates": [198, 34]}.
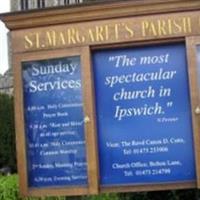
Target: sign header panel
{"type": "Point", "coordinates": [120, 30]}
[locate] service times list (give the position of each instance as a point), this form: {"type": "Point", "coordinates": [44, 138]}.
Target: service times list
{"type": "Point", "coordinates": [54, 122]}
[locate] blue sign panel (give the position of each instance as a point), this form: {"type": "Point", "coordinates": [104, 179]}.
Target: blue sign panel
{"type": "Point", "coordinates": [198, 63]}
{"type": "Point", "coordinates": [54, 125]}
{"type": "Point", "coordinates": [143, 115]}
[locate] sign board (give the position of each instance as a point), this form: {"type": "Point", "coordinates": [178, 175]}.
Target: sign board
{"type": "Point", "coordinates": [107, 102]}
{"type": "Point", "coordinates": [54, 122]}
{"type": "Point", "coordinates": [143, 115]}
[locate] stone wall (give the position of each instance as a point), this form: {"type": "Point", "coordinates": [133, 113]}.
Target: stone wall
{"type": "Point", "coordinates": [33, 4]}
{"type": "Point", "coordinates": [6, 83]}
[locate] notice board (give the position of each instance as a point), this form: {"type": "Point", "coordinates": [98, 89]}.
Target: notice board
{"type": "Point", "coordinates": [144, 122]}
{"type": "Point", "coordinates": [54, 122]}
{"type": "Point", "coordinates": [107, 100]}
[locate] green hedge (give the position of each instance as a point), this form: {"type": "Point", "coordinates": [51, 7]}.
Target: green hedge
{"type": "Point", "coordinates": [9, 190]}
{"type": "Point", "coordinates": [7, 133]}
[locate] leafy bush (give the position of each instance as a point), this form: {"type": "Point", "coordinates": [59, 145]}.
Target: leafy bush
{"type": "Point", "coordinates": [9, 190]}
{"type": "Point", "coordinates": [7, 133]}
{"type": "Point", "coordinates": [102, 197]}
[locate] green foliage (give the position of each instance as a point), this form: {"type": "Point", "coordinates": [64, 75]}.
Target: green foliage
{"type": "Point", "coordinates": [7, 133]}
{"type": "Point", "coordinates": [102, 197]}
{"type": "Point", "coordinates": [9, 190]}
{"type": "Point", "coordinates": [162, 195]}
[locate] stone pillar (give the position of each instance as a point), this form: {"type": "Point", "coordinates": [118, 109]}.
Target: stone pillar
{"type": "Point", "coordinates": [15, 5]}
{"type": "Point", "coordinates": [32, 4]}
